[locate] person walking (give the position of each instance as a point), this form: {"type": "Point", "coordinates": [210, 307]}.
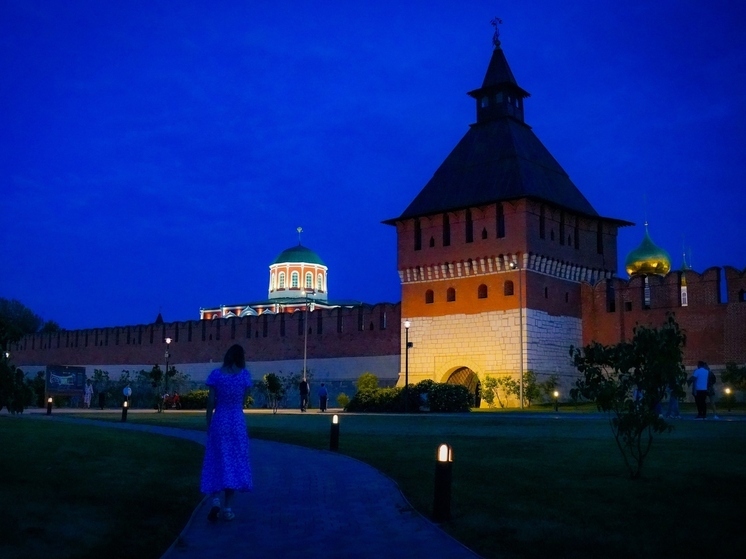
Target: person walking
{"type": "Point", "coordinates": [303, 388]}
{"type": "Point", "coordinates": [699, 388]}
{"type": "Point", "coordinates": [711, 380]}
{"type": "Point", "coordinates": [323, 396]}
{"type": "Point", "coordinates": [88, 394]}
{"type": "Point", "coordinates": [226, 467]}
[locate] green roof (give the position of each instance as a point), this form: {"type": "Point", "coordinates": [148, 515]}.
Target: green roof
{"type": "Point", "coordinates": [298, 253]}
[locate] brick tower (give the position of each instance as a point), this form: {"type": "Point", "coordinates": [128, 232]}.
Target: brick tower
{"type": "Point", "coordinates": [492, 251]}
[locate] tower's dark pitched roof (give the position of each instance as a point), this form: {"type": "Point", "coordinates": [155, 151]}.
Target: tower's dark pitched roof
{"type": "Point", "coordinates": [499, 158]}
{"type": "Point", "coordinates": [496, 161]}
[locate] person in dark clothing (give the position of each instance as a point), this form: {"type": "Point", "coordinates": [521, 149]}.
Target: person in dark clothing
{"type": "Point", "coordinates": [323, 396]}
{"type": "Point", "coordinates": [303, 389]}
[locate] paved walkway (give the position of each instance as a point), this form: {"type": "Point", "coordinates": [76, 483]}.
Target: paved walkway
{"type": "Point", "coordinates": [311, 504]}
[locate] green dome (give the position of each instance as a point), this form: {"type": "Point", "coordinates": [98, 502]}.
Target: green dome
{"type": "Point", "coordinates": [298, 253]}
{"type": "Point", "coordinates": [648, 258]}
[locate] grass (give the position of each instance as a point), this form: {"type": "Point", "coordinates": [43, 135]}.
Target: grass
{"type": "Point", "coordinates": [68, 491]}
{"type": "Point", "coordinates": [525, 486]}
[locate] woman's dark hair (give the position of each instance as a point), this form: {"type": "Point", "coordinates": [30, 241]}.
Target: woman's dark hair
{"type": "Point", "coordinates": [235, 356]}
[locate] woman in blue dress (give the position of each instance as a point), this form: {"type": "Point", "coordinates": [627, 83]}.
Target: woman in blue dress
{"type": "Point", "coordinates": [226, 467]}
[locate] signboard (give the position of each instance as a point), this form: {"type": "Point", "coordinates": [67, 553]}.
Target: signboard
{"type": "Point", "coordinates": [65, 380]}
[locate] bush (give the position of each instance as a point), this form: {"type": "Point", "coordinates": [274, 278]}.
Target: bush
{"type": "Point", "coordinates": [194, 400]}
{"type": "Point", "coordinates": [367, 381]}
{"type": "Point", "coordinates": [449, 398]}
{"type": "Point", "coordinates": [343, 400]}
{"type": "Point", "coordinates": [377, 400]}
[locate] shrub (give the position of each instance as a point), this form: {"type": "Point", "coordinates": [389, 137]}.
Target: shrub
{"type": "Point", "coordinates": [343, 400]}
{"type": "Point", "coordinates": [377, 400]}
{"type": "Point", "coordinates": [449, 398]}
{"type": "Point", "coordinates": [194, 400]}
{"type": "Point", "coordinates": [367, 381]}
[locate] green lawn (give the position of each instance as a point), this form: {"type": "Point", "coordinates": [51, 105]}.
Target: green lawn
{"type": "Point", "coordinates": [525, 486]}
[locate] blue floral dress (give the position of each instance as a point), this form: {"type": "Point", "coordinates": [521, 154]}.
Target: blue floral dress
{"type": "Point", "coordinates": [226, 464]}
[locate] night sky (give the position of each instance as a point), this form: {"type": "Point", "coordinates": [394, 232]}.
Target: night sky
{"type": "Point", "coordinates": [157, 156]}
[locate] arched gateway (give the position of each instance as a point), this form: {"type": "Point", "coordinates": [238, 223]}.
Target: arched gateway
{"type": "Point", "coordinates": [468, 378]}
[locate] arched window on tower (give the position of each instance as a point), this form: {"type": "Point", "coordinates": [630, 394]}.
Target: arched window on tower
{"type": "Point", "coordinates": [508, 288]}
{"type": "Point", "coordinates": [451, 295]}
{"type": "Point", "coordinates": [272, 285]}
{"type": "Point", "coordinates": [309, 280]}
{"type": "Point", "coordinates": [319, 283]}
{"type": "Point", "coordinates": [282, 280]}
{"type": "Point", "coordinates": [294, 280]}
{"type": "Point", "coordinates": [482, 292]}
{"type": "Point", "coordinates": [429, 296]}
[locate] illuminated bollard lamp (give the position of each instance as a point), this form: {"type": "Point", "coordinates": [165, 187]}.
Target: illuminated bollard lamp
{"type": "Point", "coordinates": [442, 493]}
{"type": "Point", "coordinates": [49, 406]}
{"type": "Point", "coordinates": [556, 401]}
{"type": "Point", "coordinates": [334, 434]}
{"type": "Point", "coordinates": [125, 405]}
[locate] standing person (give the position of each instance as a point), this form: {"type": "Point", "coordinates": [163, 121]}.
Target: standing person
{"type": "Point", "coordinates": [101, 398]}
{"type": "Point", "coordinates": [699, 387]}
{"type": "Point", "coordinates": [303, 389]}
{"type": "Point", "coordinates": [88, 394]}
{"type": "Point", "coordinates": [711, 380]}
{"type": "Point", "coordinates": [323, 395]}
{"type": "Point", "coordinates": [226, 467]}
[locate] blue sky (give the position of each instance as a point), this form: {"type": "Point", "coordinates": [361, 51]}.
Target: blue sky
{"type": "Point", "coordinates": [157, 156]}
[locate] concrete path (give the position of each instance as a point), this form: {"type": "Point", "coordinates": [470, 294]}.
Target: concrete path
{"type": "Point", "coordinates": [311, 504]}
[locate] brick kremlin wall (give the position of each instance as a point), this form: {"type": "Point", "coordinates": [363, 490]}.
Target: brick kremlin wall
{"type": "Point", "coordinates": [345, 335]}
{"type": "Point", "coordinates": [715, 328]}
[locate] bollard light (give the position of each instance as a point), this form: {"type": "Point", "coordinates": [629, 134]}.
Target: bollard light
{"type": "Point", "coordinates": [49, 406]}
{"type": "Point", "coordinates": [334, 434]}
{"type": "Point", "coordinates": [125, 405]}
{"type": "Point", "coordinates": [556, 401]}
{"type": "Point", "coordinates": [728, 397]}
{"type": "Point", "coordinates": [442, 492]}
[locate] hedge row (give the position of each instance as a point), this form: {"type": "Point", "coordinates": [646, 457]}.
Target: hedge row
{"type": "Point", "coordinates": [424, 396]}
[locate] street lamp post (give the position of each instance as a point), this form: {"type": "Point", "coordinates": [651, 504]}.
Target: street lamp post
{"type": "Point", "coordinates": [305, 330]}
{"type": "Point", "coordinates": [407, 345]}
{"type": "Point", "coordinates": [515, 265]}
{"type": "Point", "coordinates": [168, 344]}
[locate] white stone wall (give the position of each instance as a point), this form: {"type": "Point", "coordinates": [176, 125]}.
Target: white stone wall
{"type": "Point", "coordinates": [490, 343]}
{"type": "Point", "coordinates": [385, 367]}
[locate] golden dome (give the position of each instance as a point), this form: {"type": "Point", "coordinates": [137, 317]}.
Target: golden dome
{"type": "Point", "coordinates": [648, 258]}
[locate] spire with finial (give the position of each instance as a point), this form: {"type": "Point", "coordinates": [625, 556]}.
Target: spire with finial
{"type": "Point", "coordinates": [299, 230]}
{"type": "Point", "coordinates": [648, 258]}
{"type": "Point", "coordinates": [496, 35]}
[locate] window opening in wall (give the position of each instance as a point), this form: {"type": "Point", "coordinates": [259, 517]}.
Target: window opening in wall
{"type": "Point", "coordinates": [432, 242]}
{"type": "Point", "coordinates": [139, 335]}
{"type": "Point", "coordinates": [116, 338]}
{"type": "Point", "coordinates": [360, 320]}
{"type": "Point", "coordinates": [500, 220]}
{"type": "Point", "coordinates": [484, 233]}
{"type": "Point", "coordinates": [542, 222]}
{"type": "Point", "coordinates": [382, 322]}
{"type": "Point", "coordinates": [646, 294]}
{"type": "Point", "coordinates": [610, 298]}
{"type": "Point", "coordinates": [429, 296]}
{"type": "Point", "coordinates": [482, 292]}
{"type": "Point", "coordinates": [319, 283]}
{"type": "Point", "coordinates": [301, 322]}
{"type": "Point", "coordinates": [546, 293]}
{"type": "Point", "coordinates": [451, 295]}
{"type": "Point", "coordinates": [576, 234]}
{"type": "Point", "coordinates": [189, 333]}
{"type": "Point", "coordinates": [600, 238]}
{"type": "Point", "coordinates": [567, 297]}
{"type": "Point", "coordinates": [469, 227]}
{"type": "Point", "coordinates": [309, 280]}
{"type": "Point", "coordinates": [294, 280]}
{"type": "Point", "coordinates": [562, 228]}
{"type": "Point", "coordinates": [417, 234]}
{"type": "Point", "coordinates": [508, 288]}
{"type": "Point", "coordinates": [282, 280]}
{"type": "Point", "coordinates": [446, 230]}
{"type": "Point", "coordinates": [217, 329]}
{"type": "Point", "coordinates": [265, 326]}
{"type": "Point", "coordinates": [485, 101]}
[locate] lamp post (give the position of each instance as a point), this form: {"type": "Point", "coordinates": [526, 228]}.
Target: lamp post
{"type": "Point", "coordinates": [168, 345]}
{"type": "Point", "coordinates": [728, 397]}
{"type": "Point", "coordinates": [305, 330]}
{"type": "Point", "coordinates": [407, 345]}
{"type": "Point", "coordinates": [556, 401]}
{"type": "Point", "coordinates": [515, 265]}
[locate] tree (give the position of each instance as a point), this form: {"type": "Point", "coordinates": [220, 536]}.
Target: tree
{"type": "Point", "coordinates": [16, 320]}
{"type": "Point", "coordinates": [734, 376]}
{"type": "Point", "coordinates": [49, 327]}
{"type": "Point", "coordinates": [650, 363]}
{"type": "Point", "coordinates": [367, 381]}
